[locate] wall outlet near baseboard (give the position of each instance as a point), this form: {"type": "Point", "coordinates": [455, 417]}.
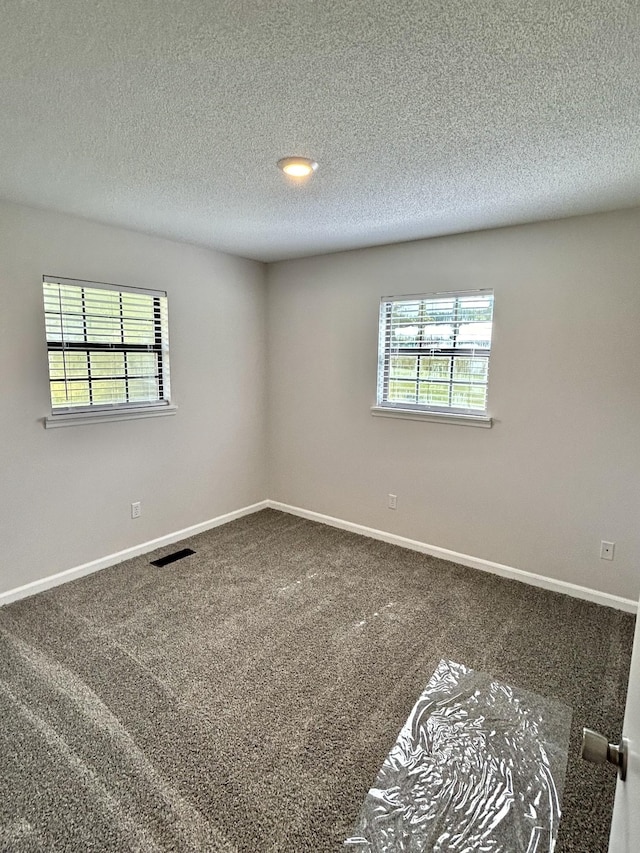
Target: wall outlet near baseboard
{"type": "Point", "coordinates": [136, 509]}
{"type": "Point", "coordinates": [606, 550]}
{"type": "Point", "coordinates": [392, 502]}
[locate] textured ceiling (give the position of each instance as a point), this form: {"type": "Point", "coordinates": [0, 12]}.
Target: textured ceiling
{"type": "Point", "coordinates": [426, 116]}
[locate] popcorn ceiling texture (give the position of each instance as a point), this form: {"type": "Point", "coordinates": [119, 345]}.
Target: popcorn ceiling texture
{"type": "Point", "coordinates": [244, 698]}
{"type": "Point", "coordinates": [426, 116]}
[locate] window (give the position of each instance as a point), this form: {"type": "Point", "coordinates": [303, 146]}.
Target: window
{"type": "Point", "coordinates": [107, 345]}
{"type": "Point", "coordinates": [434, 352]}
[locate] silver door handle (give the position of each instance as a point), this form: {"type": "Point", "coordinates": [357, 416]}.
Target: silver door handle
{"type": "Point", "coordinates": [597, 749]}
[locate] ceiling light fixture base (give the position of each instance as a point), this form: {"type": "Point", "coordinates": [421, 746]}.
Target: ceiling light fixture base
{"type": "Point", "coordinates": [297, 167]}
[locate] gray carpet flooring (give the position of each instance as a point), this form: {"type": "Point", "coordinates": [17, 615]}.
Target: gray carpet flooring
{"type": "Point", "coordinates": [244, 698]}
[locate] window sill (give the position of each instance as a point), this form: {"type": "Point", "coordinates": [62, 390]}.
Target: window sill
{"type": "Point", "coordinates": [436, 417]}
{"type": "Point", "coordinates": [83, 418]}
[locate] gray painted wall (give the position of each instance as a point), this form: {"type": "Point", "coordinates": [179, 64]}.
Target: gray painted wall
{"type": "Point", "coordinates": [559, 471]}
{"type": "Point", "coordinates": [65, 493]}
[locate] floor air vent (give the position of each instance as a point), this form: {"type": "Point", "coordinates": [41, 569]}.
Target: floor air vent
{"type": "Point", "coordinates": [171, 558]}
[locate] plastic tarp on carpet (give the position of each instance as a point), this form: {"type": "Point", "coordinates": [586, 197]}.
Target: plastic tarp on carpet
{"type": "Point", "coordinates": [478, 767]}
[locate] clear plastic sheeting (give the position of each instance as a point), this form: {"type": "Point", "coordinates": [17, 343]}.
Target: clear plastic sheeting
{"type": "Point", "coordinates": [478, 768]}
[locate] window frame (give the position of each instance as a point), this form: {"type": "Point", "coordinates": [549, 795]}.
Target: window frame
{"type": "Point", "coordinates": [386, 351]}
{"type": "Point", "coordinates": [116, 410]}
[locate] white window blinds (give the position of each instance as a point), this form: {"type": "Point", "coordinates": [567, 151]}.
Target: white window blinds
{"type": "Point", "coordinates": [107, 346]}
{"type": "Point", "coordinates": [434, 352]}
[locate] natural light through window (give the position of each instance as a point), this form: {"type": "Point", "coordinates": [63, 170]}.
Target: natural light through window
{"type": "Point", "coordinates": [107, 346]}
{"type": "Point", "coordinates": [434, 352]}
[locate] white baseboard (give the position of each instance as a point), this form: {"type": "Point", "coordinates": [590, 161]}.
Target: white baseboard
{"type": "Point", "coordinates": [119, 557]}
{"type": "Point", "coordinates": [530, 578]}
{"type": "Point", "coordinates": [584, 592]}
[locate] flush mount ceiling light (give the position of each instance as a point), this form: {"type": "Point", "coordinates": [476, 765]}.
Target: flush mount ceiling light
{"type": "Point", "coordinates": [297, 167]}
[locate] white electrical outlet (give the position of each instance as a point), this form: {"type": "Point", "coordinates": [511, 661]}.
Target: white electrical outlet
{"type": "Point", "coordinates": [606, 550]}
{"type": "Point", "coordinates": [136, 509]}
{"type": "Point", "coordinates": [392, 502]}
